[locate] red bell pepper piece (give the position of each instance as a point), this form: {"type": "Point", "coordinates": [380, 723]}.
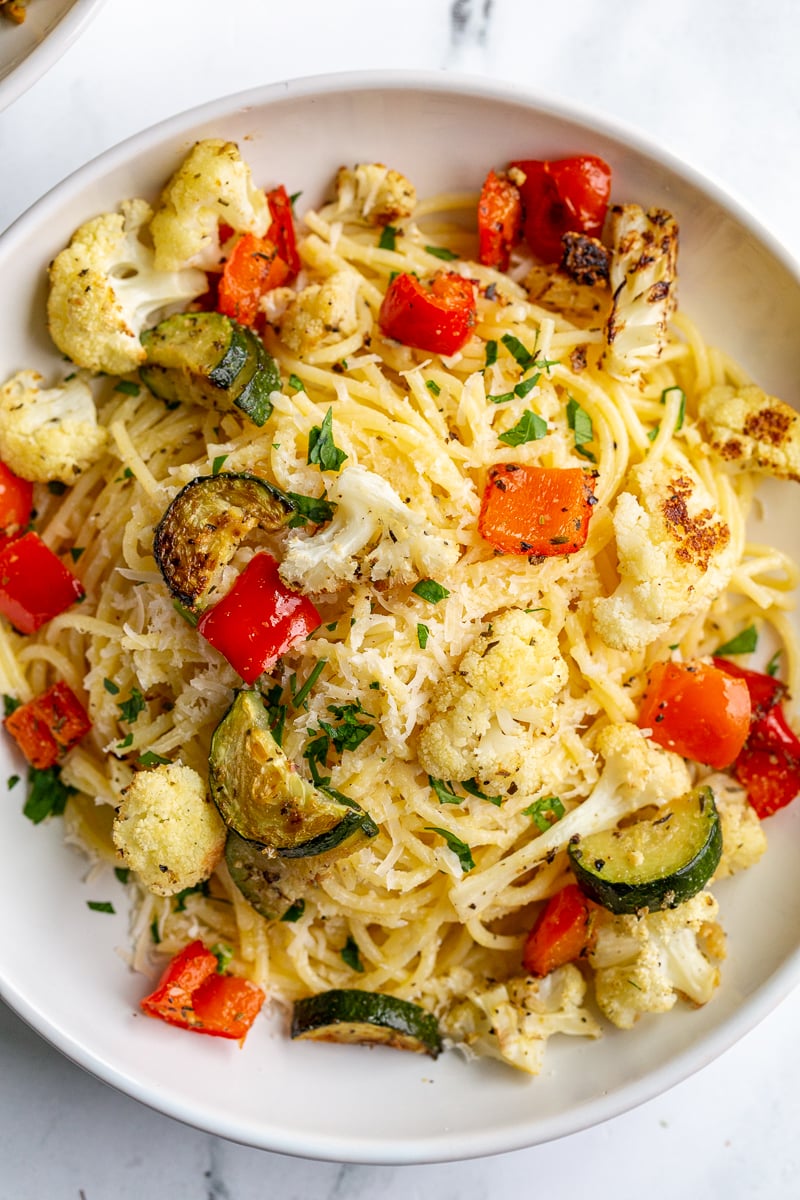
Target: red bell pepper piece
{"type": "Point", "coordinates": [569, 195]}
{"type": "Point", "coordinates": [536, 510]}
{"type": "Point", "coordinates": [35, 586]}
{"type": "Point", "coordinates": [281, 231]}
{"type": "Point", "coordinates": [769, 763]}
{"type": "Point", "coordinates": [48, 725]}
{"type": "Point", "coordinates": [499, 221]}
{"type": "Point", "coordinates": [437, 319]}
{"type": "Point", "coordinates": [697, 711]}
{"type": "Point", "coordinates": [192, 995]}
{"type": "Point", "coordinates": [259, 619]}
{"type": "Point", "coordinates": [16, 504]}
{"type": "Point", "coordinates": [564, 931]}
{"type": "Point", "coordinates": [253, 268]}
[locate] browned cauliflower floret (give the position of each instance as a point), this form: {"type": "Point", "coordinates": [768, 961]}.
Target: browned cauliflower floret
{"type": "Point", "coordinates": [167, 830]}
{"type": "Point", "coordinates": [322, 312]}
{"type": "Point", "coordinates": [752, 431]}
{"type": "Point", "coordinates": [48, 433]}
{"type": "Point", "coordinates": [373, 193]}
{"type": "Point", "coordinates": [743, 837]}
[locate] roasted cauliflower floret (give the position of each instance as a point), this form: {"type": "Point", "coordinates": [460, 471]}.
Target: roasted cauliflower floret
{"type": "Point", "coordinates": [743, 837]}
{"type": "Point", "coordinates": [643, 963]}
{"type": "Point", "coordinates": [167, 830]}
{"type": "Point", "coordinates": [751, 430]}
{"type": "Point", "coordinates": [373, 194]}
{"type": "Point", "coordinates": [372, 532]}
{"type": "Point", "coordinates": [48, 434]}
{"type": "Point", "coordinates": [642, 276]}
{"type": "Point", "coordinates": [322, 312]}
{"type": "Point", "coordinates": [675, 556]}
{"type": "Point", "coordinates": [213, 185]}
{"type": "Point", "coordinates": [104, 289]}
{"type": "Point", "coordinates": [512, 1021]}
{"type": "Point", "coordinates": [515, 666]}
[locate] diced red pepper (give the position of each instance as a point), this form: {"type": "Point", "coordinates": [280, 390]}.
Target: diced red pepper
{"type": "Point", "coordinates": [769, 763]}
{"type": "Point", "coordinates": [281, 231]}
{"type": "Point", "coordinates": [253, 268]}
{"type": "Point", "coordinates": [259, 619]}
{"type": "Point", "coordinates": [48, 725]}
{"type": "Point", "coordinates": [564, 931]}
{"type": "Point", "coordinates": [568, 195]}
{"type": "Point", "coordinates": [697, 711]}
{"type": "Point", "coordinates": [536, 510]}
{"type": "Point", "coordinates": [35, 586]}
{"type": "Point", "coordinates": [192, 995]}
{"type": "Point", "coordinates": [16, 504]}
{"type": "Point", "coordinates": [499, 221]}
{"type": "Point", "coordinates": [437, 319]}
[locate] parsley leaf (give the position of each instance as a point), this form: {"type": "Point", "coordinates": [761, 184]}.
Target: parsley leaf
{"type": "Point", "coordinates": [10, 705]}
{"type": "Point", "coordinates": [316, 509]}
{"type": "Point", "coordinates": [444, 791]}
{"type": "Point", "coordinates": [430, 590]}
{"type": "Point", "coordinates": [224, 956]}
{"type": "Point", "coordinates": [56, 488]}
{"type": "Point", "coordinates": [530, 428]}
{"type": "Point", "coordinates": [12, 781]}
{"type": "Point", "coordinates": [294, 912]}
{"type": "Point", "coordinates": [100, 906]}
{"type": "Point", "coordinates": [491, 353]}
{"type": "Point", "coordinates": [122, 873]}
{"type": "Point", "coordinates": [773, 664]}
{"type": "Point", "coordinates": [180, 898]}
{"type": "Point", "coordinates": [471, 787]}
{"type": "Point", "coordinates": [442, 252]}
{"type": "Point", "coordinates": [322, 449]}
{"type": "Point", "coordinates": [527, 385]}
{"type": "Point", "coordinates": [545, 812]}
{"type": "Point", "coordinates": [129, 709]}
{"type": "Point", "coordinates": [580, 423]}
{"type": "Point", "coordinates": [744, 642]}
{"type": "Point", "coordinates": [459, 848]}
{"type": "Point", "coordinates": [518, 351]}
{"type": "Point", "coordinates": [276, 711]}
{"type": "Point", "coordinates": [350, 732]}
{"type": "Point", "coordinates": [500, 397]}
{"type": "Point", "coordinates": [47, 795]}
{"type": "Point", "coordinates": [388, 238]}
{"type": "Point", "coordinates": [218, 463]}
{"type": "Point", "coordinates": [76, 552]}
{"type": "Point", "coordinates": [128, 387]}
{"type": "Point", "coordinates": [296, 382]}
{"type": "Point", "coordinates": [155, 936]}
{"type": "Point", "coordinates": [432, 386]}
{"type": "Point", "coordinates": [316, 754]}
{"type": "Point", "coordinates": [151, 759]}
{"type": "Point", "coordinates": [351, 955]}
{"type": "Point", "coordinates": [423, 634]}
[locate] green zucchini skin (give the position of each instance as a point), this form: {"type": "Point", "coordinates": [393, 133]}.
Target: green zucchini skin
{"type": "Point", "coordinates": [654, 864]}
{"type": "Point", "coordinates": [348, 1015]}
{"type": "Point", "coordinates": [206, 523]}
{"type": "Point", "coordinates": [209, 359]}
{"type": "Point", "coordinates": [261, 877]}
{"type": "Point", "coordinates": [261, 796]}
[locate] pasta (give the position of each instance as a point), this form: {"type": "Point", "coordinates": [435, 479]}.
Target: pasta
{"type": "Point", "coordinates": [405, 914]}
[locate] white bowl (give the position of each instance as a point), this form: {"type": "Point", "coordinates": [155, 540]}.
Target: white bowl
{"type": "Point", "coordinates": [30, 49]}
{"type": "Point", "coordinates": [58, 966]}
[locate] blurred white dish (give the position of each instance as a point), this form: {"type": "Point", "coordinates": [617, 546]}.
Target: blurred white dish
{"type": "Point", "coordinates": [58, 966]}
{"type": "Point", "coordinates": [30, 49]}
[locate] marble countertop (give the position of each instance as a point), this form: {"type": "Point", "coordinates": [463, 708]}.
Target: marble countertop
{"type": "Point", "coordinates": [714, 81]}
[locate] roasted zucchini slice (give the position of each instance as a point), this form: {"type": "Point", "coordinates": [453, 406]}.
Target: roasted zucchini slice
{"type": "Point", "coordinates": [262, 798]}
{"type": "Point", "coordinates": [264, 880]}
{"type": "Point", "coordinates": [349, 1015]}
{"type": "Point", "coordinates": [207, 358]}
{"type": "Point", "coordinates": [206, 522]}
{"type": "Point", "coordinates": [656, 863]}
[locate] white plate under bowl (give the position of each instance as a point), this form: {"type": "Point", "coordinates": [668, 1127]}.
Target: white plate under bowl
{"type": "Point", "coordinates": [30, 49]}
{"type": "Point", "coordinates": [58, 966]}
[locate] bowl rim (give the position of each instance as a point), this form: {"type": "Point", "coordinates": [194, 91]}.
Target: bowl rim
{"type": "Point", "coordinates": [48, 51]}
{"type": "Point", "coordinates": [754, 1007]}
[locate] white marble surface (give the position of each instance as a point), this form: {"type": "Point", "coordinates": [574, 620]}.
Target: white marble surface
{"type": "Point", "coordinates": [716, 82]}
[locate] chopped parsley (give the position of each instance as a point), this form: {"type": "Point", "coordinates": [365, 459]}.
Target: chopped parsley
{"type": "Point", "coordinates": [388, 238]}
{"type": "Point", "coordinates": [122, 873]}
{"type": "Point", "coordinates": [545, 812]}
{"type": "Point", "coordinates": [125, 743]}
{"type": "Point", "coordinates": [520, 353]}
{"type": "Point", "coordinates": [491, 353]}
{"type": "Point", "coordinates": [580, 423]}
{"type": "Point", "coordinates": [128, 387]}
{"type": "Point", "coordinates": [155, 936]}
{"type": "Point", "coordinates": [772, 665]}
{"type": "Point", "coordinates": [423, 633]}
{"type": "Point", "coordinates": [100, 906]}
{"type": "Point", "coordinates": [294, 912]}
{"type": "Point", "coordinates": [76, 552]}
{"type": "Point", "coordinates": [459, 848]}
{"type": "Point", "coordinates": [180, 898]}
{"type": "Point", "coordinates": [530, 428]}
{"type": "Point", "coordinates": [10, 705]}
{"type": "Point", "coordinates": [129, 709]}
{"type": "Point", "coordinates": [432, 386]}
{"type": "Point", "coordinates": [56, 488]}
{"type": "Point", "coordinates": [682, 406]}
{"type": "Point", "coordinates": [351, 955]}
{"type": "Point", "coordinates": [218, 463]}
{"type": "Point", "coordinates": [375, 685]}
{"type": "Point", "coordinates": [442, 252]}
{"type": "Point", "coordinates": [316, 509]}
{"type": "Point", "coordinates": [316, 755]}
{"type": "Point", "coordinates": [189, 617]}
{"type": "Point", "coordinates": [322, 449]}
{"type": "Point", "coordinates": [299, 698]}
{"type": "Point", "coordinates": [47, 795]}
{"type": "Point", "coordinates": [430, 590]}
{"type": "Point", "coordinates": [444, 791]}
{"type": "Point", "coordinates": [296, 383]}
{"type": "Point", "coordinates": [224, 956]}
{"type": "Point", "coordinates": [744, 642]}
{"type": "Point", "coordinates": [350, 732]}
{"type": "Point", "coordinates": [151, 759]}
{"type": "Point", "coordinates": [12, 781]}
{"type": "Point", "coordinates": [500, 397]}
{"type": "Point", "coordinates": [471, 787]}
{"type": "Point", "coordinates": [276, 711]}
